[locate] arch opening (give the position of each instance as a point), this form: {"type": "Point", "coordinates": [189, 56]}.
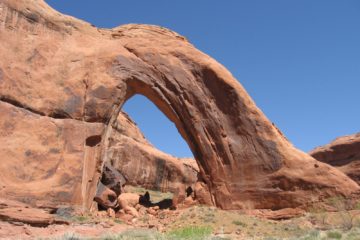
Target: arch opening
{"type": "Point", "coordinates": [156, 127]}
{"type": "Point", "coordinates": [161, 174]}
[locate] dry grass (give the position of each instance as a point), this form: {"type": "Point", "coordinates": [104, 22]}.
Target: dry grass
{"type": "Point", "coordinates": [202, 222]}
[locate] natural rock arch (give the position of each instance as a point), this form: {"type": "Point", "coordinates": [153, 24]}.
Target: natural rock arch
{"type": "Point", "coordinates": [243, 158]}
{"type": "Point", "coordinates": [88, 73]}
{"type": "Point", "coordinates": [142, 164]}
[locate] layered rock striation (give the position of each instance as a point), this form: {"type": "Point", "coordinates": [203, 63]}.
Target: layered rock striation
{"type": "Point", "coordinates": [62, 85]}
{"type": "Point", "coordinates": [342, 153]}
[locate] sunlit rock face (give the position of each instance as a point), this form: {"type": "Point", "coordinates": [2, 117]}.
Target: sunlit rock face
{"type": "Point", "coordinates": [144, 165]}
{"type": "Point", "coordinates": [342, 153]}
{"type": "Point", "coordinates": [63, 82]}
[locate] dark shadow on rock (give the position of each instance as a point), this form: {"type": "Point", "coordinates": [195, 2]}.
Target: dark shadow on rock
{"type": "Point", "coordinates": [145, 201]}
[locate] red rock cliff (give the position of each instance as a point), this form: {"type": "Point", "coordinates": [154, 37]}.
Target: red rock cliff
{"type": "Point", "coordinates": [63, 82]}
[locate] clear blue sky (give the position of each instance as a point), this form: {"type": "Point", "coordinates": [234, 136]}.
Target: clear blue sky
{"type": "Point", "coordinates": [299, 60]}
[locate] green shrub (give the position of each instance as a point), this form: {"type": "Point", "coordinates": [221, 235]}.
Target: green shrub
{"type": "Point", "coordinates": [118, 221]}
{"type": "Point", "coordinates": [190, 232]}
{"type": "Point", "coordinates": [334, 235]}
{"type": "Point", "coordinates": [81, 218]}
{"type": "Point", "coordinates": [313, 235]}
{"type": "Point", "coordinates": [239, 223]}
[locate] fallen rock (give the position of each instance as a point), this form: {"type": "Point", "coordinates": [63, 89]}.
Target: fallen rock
{"type": "Point", "coordinates": [106, 197]}
{"type": "Point", "coordinates": [152, 211]}
{"type": "Point", "coordinates": [189, 201]}
{"type": "Point", "coordinates": [110, 212]}
{"type": "Point", "coordinates": [131, 211]}
{"type": "Point", "coordinates": [112, 179]}
{"type": "Point", "coordinates": [128, 199]}
{"type": "Point", "coordinates": [125, 217]}
{"type": "Point", "coordinates": [342, 153]}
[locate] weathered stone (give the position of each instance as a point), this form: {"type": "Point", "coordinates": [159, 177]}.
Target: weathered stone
{"type": "Point", "coordinates": [12, 211]}
{"type": "Point", "coordinates": [179, 195]}
{"type": "Point", "coordinates": [342, 153]}
{"type": "Point", "coordinates": [202, 194]}
{"type": "Point", "coordinates": [128, 202]}
{"type": "Point", "coordinates": [44, 161]}
{"type": "Point", "coordinates": [60, 67]}
{"type": "Point", "coordinates": [106, 197]}
{"type": "Point", "coordinates": [282, 214]}
{"type": "Point", "coordinates": [144, 165]}
{"type": "Point", "coordinates": [113, 179]}
{"type": "Point", "coordinates": [110, 212]}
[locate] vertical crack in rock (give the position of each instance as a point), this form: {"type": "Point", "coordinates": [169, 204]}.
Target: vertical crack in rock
{"type": "Point", "coordinates": [85, 81]}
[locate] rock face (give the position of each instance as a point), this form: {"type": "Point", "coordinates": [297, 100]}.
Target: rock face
{"type": "Point", "coordinates": [45, 161]}
{"type": "Point", "coordinates": [342, 153]}
{"type": "Point", "coordinates": [144, 165]}
{"type": "Point", "coordinates": [62, 85]}
{"type": "Point", "coordinates": [13, 211]}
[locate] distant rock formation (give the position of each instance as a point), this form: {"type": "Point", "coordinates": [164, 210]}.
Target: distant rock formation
{"type": "Point", "coordinates": [62, 85]}
{"type": "Point", "coordinates": [342, 153]}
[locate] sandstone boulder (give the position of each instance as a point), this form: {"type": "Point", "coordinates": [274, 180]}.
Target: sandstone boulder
{"type": "Point", "coordinates": [106, 197]}
{"type": "Point", "coordinates": [113, 179]}
{"type": "Point", "coordinates": [128, 201]}
{"type": "Point", "coordinates": [342, 153]}
{"type": "Point", "coordinates": [62, 85]}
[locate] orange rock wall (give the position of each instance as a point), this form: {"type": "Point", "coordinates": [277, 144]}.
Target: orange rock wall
{"type": "Point", "coordinates": [67, 71]}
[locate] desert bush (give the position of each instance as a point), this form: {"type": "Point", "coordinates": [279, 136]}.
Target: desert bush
{"type": "Point", "coordinates": [313, 235]}
{"type": "Point", "coordinates": [318, 216]}
{"type": "Point", "coordinates": [353, 234]}
{"type": "Point", "coordinates": [138, 234]}
{"type": "Point", "coordinates": [334, 235]}
{"type": "Point", "coordinates": [190, 232]}
{"type": "Point", "coordinates": [118, 221]}
{"type": "Point", "coordinates": [343, 206]}
{"type": "Point", "coordinates": [239, 223]}
{"type": "Point", "coordinates": [81, 218]}
{"type": "Point", "coordinates": [357, 206]}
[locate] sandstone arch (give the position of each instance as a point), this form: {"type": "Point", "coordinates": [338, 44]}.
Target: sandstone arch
{"type": "Point", "coordinates": [59, 69]}
{"type": "Point", "coordinates": [141, 163]}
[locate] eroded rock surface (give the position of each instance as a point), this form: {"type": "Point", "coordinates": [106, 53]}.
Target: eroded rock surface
{"type": "Point", "coordinates": [342, 153]}
{"type": "Point", "coordinates": [144, 165]}
{"type": "Point", "coordinates": [13, 211]}
{"type": "Point", "coordinates": [45, 161]}
{"type": "Point", "coordinates": [58, 72]}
